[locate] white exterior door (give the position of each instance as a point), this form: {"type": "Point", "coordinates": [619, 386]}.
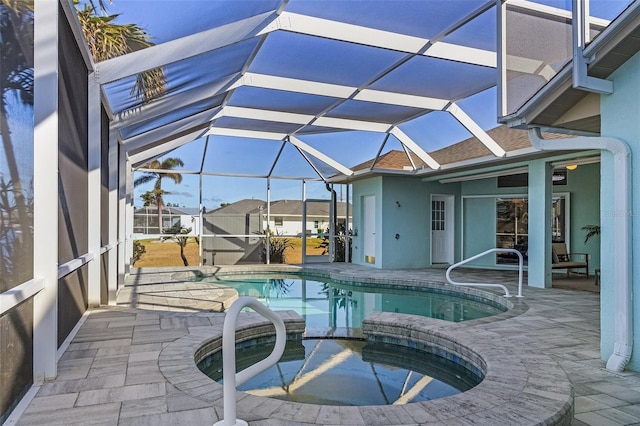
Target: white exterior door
{"type": "Point", "coordinates": [442, 229]}
{"type": "Point", "coordinates": [369, 231]}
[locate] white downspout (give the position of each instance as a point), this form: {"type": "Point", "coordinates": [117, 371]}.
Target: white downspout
{"type": "Point", "coordinates": [621, 232]}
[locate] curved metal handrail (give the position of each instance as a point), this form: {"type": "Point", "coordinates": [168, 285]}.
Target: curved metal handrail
{"type": "Point", "coordinates": [506, 290]}
{"type": "Point", "coordinates": [229, 375]}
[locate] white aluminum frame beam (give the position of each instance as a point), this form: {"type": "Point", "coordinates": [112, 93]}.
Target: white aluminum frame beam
{"type": "Point", "coordinates": [320, 156]}
{"type": "Point", "coordinates": [309, 87]}
{"type": "Point", "coordinates": [265, 115]}
{"type": "Point", "coordinates": [382, 39]}
{"type": "Point", "coordinates": [151, 137]}
{"type": "Point", "coordinates": [475, 130]}
{"type": "Point", "coordinates": [158, 150]}
{"type": "Point", "coordinates": [94, 192]}
{"type": "Point", "coordinates": [112, 269]}
{"type": "Point", "coordinates": [410, 143]}
{"type": "Point", "coordinates": [45, 190]}
{"type": "Point", "coordinates": [252, 134]}
{"type": "Point", "coordinates": [287, 117]}
{"type": "Point", "coordinates": [182, 48]}
{"type": "Point", "coordinates": [346, 124]}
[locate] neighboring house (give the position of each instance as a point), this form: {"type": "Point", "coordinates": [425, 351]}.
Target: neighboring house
{"type": "Point", "coordinates": [286, 217]}
{"type": "Point", "coordinates": [145, 219]}
{"type": "Point", "coordinates": [234, 226]}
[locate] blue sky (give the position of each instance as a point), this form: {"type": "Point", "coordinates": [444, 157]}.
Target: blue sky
{"type": "Point", "coordinates": [439, 128]}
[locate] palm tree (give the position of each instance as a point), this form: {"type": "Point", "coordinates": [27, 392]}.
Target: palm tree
{"type": "Point", "coordinates": [181, 237]}
{"type": "Point", "coordinates": [106, 40]}
{"type": "Point", "coordinates": [16, 85]}
{"type": "Point", "coordinates": [158, 192]}
{"type": "Point", "coordinates": [16, 72]}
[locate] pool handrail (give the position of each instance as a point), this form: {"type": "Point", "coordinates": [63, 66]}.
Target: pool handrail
{"type": "Point", "coordinates": [230, 377]}
{"type": "Point", "coordinates": [506, 290]}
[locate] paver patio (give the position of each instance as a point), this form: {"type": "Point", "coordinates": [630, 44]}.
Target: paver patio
{"type": "Point", "coordinates": [111, 374]}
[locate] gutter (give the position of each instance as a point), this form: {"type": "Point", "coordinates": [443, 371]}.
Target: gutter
{"type": "Point", "coordinates": [623, 324]}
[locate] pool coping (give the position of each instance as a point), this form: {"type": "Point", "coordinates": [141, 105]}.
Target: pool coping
{"type": "Point", "coordinates": [520, 386]}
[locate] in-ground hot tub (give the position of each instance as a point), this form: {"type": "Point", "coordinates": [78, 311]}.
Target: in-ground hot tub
{"type": "Point", "coordinates": [349, 372]}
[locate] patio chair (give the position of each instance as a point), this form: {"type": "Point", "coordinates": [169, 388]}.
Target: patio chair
{"type": "Point", "coordinates": [562, 259]}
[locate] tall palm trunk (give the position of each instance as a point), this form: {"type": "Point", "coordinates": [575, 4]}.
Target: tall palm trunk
{"type": "Point", "coordinates": [160, 227]}
{"type": "Point", "coordinates": [184, 258]}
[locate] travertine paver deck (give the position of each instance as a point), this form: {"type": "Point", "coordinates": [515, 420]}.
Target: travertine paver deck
{"type": "Point", "coordinates": [111, 372]}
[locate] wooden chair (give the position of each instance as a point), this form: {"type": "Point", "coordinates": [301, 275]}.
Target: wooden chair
{"type": "Point", "coordinates": [562, 259]}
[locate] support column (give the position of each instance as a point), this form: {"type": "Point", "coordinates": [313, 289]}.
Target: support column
{"type": "Point", "coordinates": [45, 190]}
{"type": "Point", "coordinates": [94, 187]}
{"type": "Point", "coordinates": [122, 213]}
{"type": "Point", "coordinates": [112, 256]}
{"type": "Point", "coordinates": [539, 251]}
{"type": "Point", "coordinates": [128, 219]}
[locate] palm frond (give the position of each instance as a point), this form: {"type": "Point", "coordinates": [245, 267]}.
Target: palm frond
{"type": "Point", "coordinates": [143, 179]}
{"type": "Point", "coordinates": [107, 39]}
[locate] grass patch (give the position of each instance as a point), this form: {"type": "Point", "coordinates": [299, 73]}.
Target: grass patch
{"type": "Point", "coordinates": [167, 253]}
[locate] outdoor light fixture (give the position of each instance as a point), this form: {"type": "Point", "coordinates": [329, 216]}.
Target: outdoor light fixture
{"type": "Point", "coordinates": [573, 163]}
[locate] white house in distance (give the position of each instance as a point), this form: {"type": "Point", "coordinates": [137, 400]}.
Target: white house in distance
{"type": "Point", "coordinates": [145, 219]}
{"type": "Point", "coordinates": [231, 233]}
{"type": "Point", "coordinates": [286, 215]}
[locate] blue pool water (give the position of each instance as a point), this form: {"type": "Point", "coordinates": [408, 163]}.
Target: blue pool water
{"type": "Point", "coordinates": [348, 372]}
{"type": "Point", "coordinates": [328, 304]}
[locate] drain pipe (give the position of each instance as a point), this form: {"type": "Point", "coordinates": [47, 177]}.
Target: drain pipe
{"type": "Point", "coordinates": [621, 232]}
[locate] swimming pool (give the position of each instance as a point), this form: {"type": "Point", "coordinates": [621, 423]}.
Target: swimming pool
{"type": "Point", "coordinates": [325, 303]}
{"type": "Point", "coordinates": [348, 372]}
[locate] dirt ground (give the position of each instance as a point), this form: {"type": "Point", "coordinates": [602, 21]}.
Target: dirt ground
{"type": "Point", "coordinates": [167, 253]}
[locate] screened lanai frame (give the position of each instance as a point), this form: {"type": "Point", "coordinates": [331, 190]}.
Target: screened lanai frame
{"type": "Point", "coordinates": [230, 85]}
{"type": "Point", "coordinates": [215, 73]}
{"type": "Point", "coordinates": [201, 110]}
{"type": "Point", "coordinates": [373, 99]}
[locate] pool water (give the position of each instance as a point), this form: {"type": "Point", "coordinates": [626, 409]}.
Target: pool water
{"type": "Point", "coordinates": [328, 304]}
{"type": "Point", "coordinates": [348, 372]}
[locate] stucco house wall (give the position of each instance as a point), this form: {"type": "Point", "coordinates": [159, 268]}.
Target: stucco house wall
{"type": "Point", "coordinates": [620, 118]}
{"type": "Point", "coordinates": [405, 228]}
{"type": "Point", "coordinates": [474, 217]}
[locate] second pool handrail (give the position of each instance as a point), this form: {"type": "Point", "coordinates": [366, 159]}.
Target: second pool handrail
{"type": "Point", "coordinates": [502, 286]}
{"type": "Point", "coordinates": [230, 377]}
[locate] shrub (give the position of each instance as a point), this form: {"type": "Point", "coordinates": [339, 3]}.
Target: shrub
{"type": "Point", "coordinates": [340, 243]}
{"type": "Point", "coordinates": [277, 248]}
{"type": "Point", "coordinates": [138, 250]}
